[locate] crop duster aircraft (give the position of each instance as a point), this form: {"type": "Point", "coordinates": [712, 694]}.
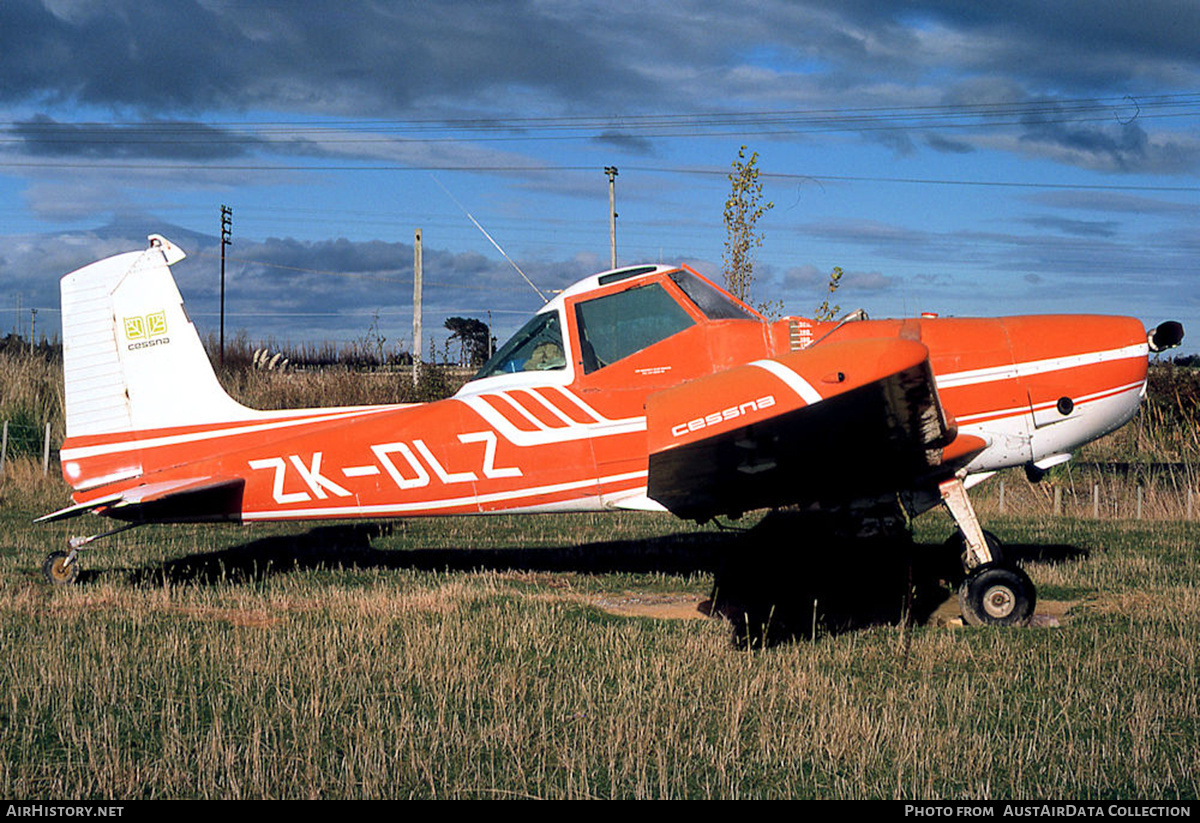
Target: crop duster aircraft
{"type": "Point", "coordinates": [644, 388]}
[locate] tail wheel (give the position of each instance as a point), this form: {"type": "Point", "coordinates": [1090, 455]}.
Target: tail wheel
{"type": "Point", "coordinates": [997, 596]}
{"type": "Point", "coordinates": [60, 568]}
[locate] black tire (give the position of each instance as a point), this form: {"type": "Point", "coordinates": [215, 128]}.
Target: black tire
{"type": "Point", "coordinates": [58, 571]}
{"type": "Point", "coordinates": [997, 596]}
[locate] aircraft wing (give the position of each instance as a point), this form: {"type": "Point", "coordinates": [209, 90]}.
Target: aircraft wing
{"type": "Point", "coordinates": [832, 423]}
{"type": "Point", "coordinates": [183, 500]}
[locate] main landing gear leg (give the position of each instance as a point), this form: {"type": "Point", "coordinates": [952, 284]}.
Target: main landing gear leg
{"type": "Point", "coordinates": [62, 568]}
{"type": "Point", "coordinates": [995, 592]}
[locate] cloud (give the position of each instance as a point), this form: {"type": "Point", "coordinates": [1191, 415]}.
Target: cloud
{"type": "Point", "coordinates": [288, 289]}
{"type": "Point", "coordinates": [328, 57]}
{"type": "Point", "coordinates": [1120, 147]}
{"type": "Point", "coordinates": [43, 136]}
{"type": "Point", "coordinates": [809, 279]}
{"type": "Point", "coordinates": [887, 240]}
{"type": "Point", "coordinates": [630, 143]}
{"type": "Point", "coordinates": [804, 277]}
{"type": "Point", "coordinates": [947, 146]}
{"type": "Point", "coordinates": [1115, 203]}
{"type": "Point", "coordinates": [871, 281]}
{"type": "Point", "coordinates": [441, 82]}
{"type": "Point", "coordinates": [1079, 228]}
{"type": "Point", "coordinates": [1071, 44]}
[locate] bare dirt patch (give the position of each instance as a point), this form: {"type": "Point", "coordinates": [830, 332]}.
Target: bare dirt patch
{"type": "Point", "coordinates": [661, 606]}
{"type": "Point", "coordinates": [1049, 614]}
{"type": "Point", "coordinates": [254, 618]}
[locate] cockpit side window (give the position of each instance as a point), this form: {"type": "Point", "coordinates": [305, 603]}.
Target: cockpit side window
{"type": "Point", "coordinates": [537, 346]}
{"type": "Point", "coordinates": [713, 302]}
{"type": "Point", "coordinates": [617, 325]}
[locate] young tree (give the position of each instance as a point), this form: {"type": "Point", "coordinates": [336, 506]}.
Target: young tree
{"type": "Point", "coordinates": [826, 311]}
{"type": "Point", "coordinates": [742, 211]}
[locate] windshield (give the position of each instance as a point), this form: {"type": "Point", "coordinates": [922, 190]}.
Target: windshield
{"type": "Point", "coordinates": [715, 304]}
{"type": "Point", "coordinates": [620, 324]}
{"type": "Point", "coordinates": [538, 346]}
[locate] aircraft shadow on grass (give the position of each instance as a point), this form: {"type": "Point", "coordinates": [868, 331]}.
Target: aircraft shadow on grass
{"type": "Point", "coordinates": [771, 585]}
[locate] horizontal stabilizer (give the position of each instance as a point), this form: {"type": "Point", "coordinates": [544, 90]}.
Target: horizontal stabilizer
{"type": "Point", "coordinates": [185, 500]}
{"type": "Point", "coordinates": [78, 509]}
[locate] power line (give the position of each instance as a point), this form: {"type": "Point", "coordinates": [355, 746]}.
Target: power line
{"type": "Point", "coordinates": [1120, 109]}
{"type": "Point", "coordinates": [95, 166]}
{"type": "Point", "coordinates": [927, 181]}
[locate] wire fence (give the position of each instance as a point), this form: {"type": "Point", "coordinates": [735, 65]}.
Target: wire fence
{"type": "Point", "coordinates": [1114, 491]}
{"type": "Point", "coordinates": [19, 439]}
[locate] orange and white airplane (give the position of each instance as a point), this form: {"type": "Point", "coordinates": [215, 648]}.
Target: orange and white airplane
{"type": "Point", "coordinates": [644, 388]}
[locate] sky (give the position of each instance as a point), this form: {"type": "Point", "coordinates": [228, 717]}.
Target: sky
{"type": "Point", "coordinates": [971, 159]}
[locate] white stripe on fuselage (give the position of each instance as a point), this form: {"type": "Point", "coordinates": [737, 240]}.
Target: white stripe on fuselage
{"type": "Point", "coordinates": [546, 435]}
{"type": "Point", "coordinates": [992, 374]}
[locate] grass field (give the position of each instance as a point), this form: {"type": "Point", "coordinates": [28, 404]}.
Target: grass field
{"type": "Point", "coordinates": [556, 656]}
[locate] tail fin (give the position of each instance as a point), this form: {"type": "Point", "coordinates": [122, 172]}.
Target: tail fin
{"type": "Point", "coordinates": [132, 359]}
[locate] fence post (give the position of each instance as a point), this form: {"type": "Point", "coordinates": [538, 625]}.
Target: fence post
{"type": "Point", "coordinates": [1058, 510]}
{"type": "Point", "coordinates": [1189, 503]}
{"type": "Point", "coordinates": [1139, 502]}
{"type": "Point", "coordinates": [46, 452]}
{"type": "Point", "coordinates": [1001, 497]}
{"type": "Point", "coordinates": [3, 447]}
{"type": "Point", "coordinates": [1096, 500]}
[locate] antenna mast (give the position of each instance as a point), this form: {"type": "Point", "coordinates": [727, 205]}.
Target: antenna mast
{"type": "Point", "coordinates": [491, 240]}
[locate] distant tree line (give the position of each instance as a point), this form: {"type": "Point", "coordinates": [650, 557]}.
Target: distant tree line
{"type": "Point", "coordinates": [16, 344]}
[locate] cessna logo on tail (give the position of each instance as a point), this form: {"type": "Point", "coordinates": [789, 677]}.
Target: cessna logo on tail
{"type": "Point", "coordinates": [147, 331]}
{"type": "Point", "coordinates": [726, 414]}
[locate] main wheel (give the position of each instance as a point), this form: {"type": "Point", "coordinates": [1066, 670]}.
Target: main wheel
{"type": "Point", "coordinates": [997, 596]}
{"type": "Point", "coordinates": [954, 559]}
{"type": "Point", "coordinates": [58, 571]}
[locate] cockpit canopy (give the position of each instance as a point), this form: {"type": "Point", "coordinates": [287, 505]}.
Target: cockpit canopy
{"type": "Point", "coordinates": [616, 324]}
{"type": "Point", "coordinates": [537, 346]}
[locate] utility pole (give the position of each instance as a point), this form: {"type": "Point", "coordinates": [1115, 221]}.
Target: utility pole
{"type": "Point", "coordinates": [226, 239]}
{"type": "Point", "coordinates": [611, 171]}
{"type": "Point", "coordinates": [417, 265]}
{"type": "Point", "coordinates": [32, 325]}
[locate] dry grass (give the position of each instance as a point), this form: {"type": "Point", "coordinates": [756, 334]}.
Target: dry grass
{"type": "Point", "coordinates": [388, 676]}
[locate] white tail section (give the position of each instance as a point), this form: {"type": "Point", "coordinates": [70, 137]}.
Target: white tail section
{"type": "Point", "coordinates": [132, 359]}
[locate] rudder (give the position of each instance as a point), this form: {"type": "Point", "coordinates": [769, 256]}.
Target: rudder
{"type": "Point", "coordinates": [132, 360]}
